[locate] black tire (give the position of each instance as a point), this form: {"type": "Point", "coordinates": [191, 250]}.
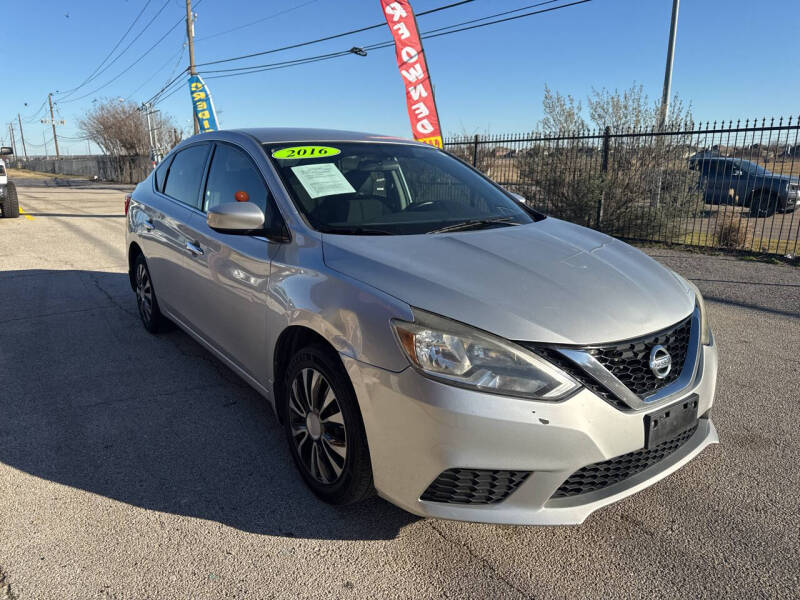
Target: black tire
{"type": "Point", "coordinates": [316, 443]}
{"type": "Point", "coordinates": [11, 203]}
{"type": "Point", "coordinates": [763, 204]}
{"type": "Point", "coordinates": [146, 300]}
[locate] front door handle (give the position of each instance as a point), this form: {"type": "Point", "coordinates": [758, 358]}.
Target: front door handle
{"type": "Point", "coordinates": [194, 249]}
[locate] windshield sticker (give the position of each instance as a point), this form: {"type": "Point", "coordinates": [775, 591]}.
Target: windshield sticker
{"type": "Point", "coordinates": [305, 152]}
{"type": "Point", "coordinates": [322, 179]}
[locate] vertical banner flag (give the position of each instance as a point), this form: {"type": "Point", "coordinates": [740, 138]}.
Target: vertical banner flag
{"type": "Point", "coordinates": [414, 70]}
{"type": "Point", "coordinates": [203, 106]}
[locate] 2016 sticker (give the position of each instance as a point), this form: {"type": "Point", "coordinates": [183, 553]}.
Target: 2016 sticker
{"type": "Point", "coordinates": [296, 152]}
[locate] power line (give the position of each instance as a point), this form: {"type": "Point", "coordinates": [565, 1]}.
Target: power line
{"type": "Point", "coordinates": [500, 14]}
{"type": "Point", "coordinates": [155, 96]}
{"type": "Point", "coordinates": [330, 37]}
{"type": "Point", "coordinates": [133, 64]}
{"type": "Point", "coordinates": [133, 41]}
{"type": "Point", "coordinates": [165, 92]}
{"type": "Point", "coordinates": [180, 54]}
{"type": "Point", "coordinates": [102, 62]}
{"type": "Point", "coordinates": [267, 18]}
{"type": "Point", "coordinates": [455, 28]}
{"type": "Point", "coordinates": [35, 116]}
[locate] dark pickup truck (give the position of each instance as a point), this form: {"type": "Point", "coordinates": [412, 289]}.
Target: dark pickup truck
{"type": "Point", "coordinates": [737, 181]}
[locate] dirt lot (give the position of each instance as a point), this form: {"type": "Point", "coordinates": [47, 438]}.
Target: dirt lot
{"type": "Point", "coordinates": [135, 466]}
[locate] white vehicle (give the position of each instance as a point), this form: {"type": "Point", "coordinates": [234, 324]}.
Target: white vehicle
{"type": "Point", "coordinates": [8, 191]}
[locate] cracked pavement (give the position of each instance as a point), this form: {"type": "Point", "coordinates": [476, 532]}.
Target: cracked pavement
{"type": "Point", "coordinates": [136, 466]}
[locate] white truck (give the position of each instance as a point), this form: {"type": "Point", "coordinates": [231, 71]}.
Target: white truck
{"type": "Point", "coordinates": [9, 205]}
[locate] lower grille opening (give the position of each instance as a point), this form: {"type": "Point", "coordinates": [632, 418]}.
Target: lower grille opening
{"type": "Point", "coordinates": [474, 486]}
{"type": "Point", "coordinates": [601, 475]}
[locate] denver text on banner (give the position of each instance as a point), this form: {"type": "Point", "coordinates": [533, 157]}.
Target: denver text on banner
{"type": "Point", "coordinates": [414, 71]}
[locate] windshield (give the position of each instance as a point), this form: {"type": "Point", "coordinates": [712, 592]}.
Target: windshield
{"type": "Point", "coordinates": [752, 168]}
{"type": "Point", "coordinates": [362, 188]}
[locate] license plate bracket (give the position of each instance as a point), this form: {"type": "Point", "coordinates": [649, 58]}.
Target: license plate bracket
{"type": "Point", "coordinates": [668, 421]}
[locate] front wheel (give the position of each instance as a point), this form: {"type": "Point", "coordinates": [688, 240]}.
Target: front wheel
{"type": "Point", "coordinates": [763, 204]}
{"type": "Point", "coordinates": [11, 204]}
{"type": "Point", "coordinates": [324, 427]}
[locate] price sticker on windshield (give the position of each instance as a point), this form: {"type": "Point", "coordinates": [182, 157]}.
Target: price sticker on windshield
{"type": "Point", "coordinates": [296, 152]}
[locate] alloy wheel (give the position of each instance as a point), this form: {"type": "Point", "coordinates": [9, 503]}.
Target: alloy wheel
{"type": "Point", "coordinates": [144, 293]}
{"type": "Point", "coordinates": [317, 426]}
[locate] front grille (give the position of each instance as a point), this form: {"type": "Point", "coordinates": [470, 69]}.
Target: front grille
{"type": "Point", "coordinates": [473, 486]}
{"type": "Point", "coordinates": [630, 361]}
{"type": "Point", "coordinates": [601, 475]}
{"type": "Point", "coordinates": [555, 357]}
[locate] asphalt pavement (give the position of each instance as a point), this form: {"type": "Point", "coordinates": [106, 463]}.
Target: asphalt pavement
{"type": "Point", "coordinates": [135, 466]}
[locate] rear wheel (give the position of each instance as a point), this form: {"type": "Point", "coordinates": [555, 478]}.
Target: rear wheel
{"type": "Point", "coordinates": [324, 427]}
{"type": "Point", "coordinates": [146, 296]}
{"type": "Point", "coordinates": [11, 203]}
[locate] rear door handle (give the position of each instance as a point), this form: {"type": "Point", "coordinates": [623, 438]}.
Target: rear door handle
{"type": "Point", "coordinates": [194, 249]}
{"type": "Point", "coordinates": [148, 225]}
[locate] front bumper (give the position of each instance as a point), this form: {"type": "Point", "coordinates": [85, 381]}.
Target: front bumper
{"type": "Point", "coordinates": [417, 428]}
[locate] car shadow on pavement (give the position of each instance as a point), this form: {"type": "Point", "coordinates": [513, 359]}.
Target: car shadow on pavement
{"type": "Point", "coordinates": [92, 401]}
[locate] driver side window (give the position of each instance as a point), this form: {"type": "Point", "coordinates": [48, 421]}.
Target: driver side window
{"type": "Point", "coordinates": [233, 177]}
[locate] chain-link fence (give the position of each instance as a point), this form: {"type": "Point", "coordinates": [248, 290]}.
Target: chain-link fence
{"type": "Point", "coordinates": [730, 185]}
{"type": "Point", "coordinates": [120, 169]}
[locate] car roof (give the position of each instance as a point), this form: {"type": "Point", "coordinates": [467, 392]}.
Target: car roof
{"type": "Point", "coordinates": [267, 135]}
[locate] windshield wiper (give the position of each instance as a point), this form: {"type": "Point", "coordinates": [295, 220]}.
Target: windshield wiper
{"type": "Point", "coordinates": [356, 231]}
{"type": "Point", "coordinates": [476, 224]}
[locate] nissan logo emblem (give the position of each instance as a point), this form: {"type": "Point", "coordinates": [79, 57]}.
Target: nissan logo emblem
{"type": "Point", "coordinates": [660, 361]}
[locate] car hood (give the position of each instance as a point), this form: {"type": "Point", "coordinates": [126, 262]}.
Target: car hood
{"type": "Point", "coordinates": [549, 281]}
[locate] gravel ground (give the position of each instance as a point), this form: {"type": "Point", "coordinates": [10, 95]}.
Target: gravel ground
{"type": "Point", "coordinates": [135, 466]}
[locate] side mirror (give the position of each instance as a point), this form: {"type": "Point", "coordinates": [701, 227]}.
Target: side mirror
{"type": "Point", "coordinates": [519, 198]}
{"type": "Point", "coordinates": [235, 217]}
{"type": "Point", "coordinates": [6, 150]}
{"type": "Point", "coordinates": [737, 172]}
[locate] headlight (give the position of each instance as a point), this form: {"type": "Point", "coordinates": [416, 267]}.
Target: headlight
{"type": "Point", "coordinates": [705, 326]}
{"type": "Point", "coordinates": [449, 351]}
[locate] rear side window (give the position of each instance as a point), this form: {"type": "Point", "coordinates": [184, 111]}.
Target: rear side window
{"type": "Point", "coordinates": [161, 173]}
{"type": "Point", "coordinates": [233, 177]}
{"type": "Point", "coordinates": [186, 174]}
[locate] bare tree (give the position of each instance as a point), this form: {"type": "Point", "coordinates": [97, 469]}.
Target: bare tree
{"type": "Point", "coordinates": [562, 113]}
{"type": "Point", "coordinates": [120, 129]}
{"type": "Point", "coordinates": [632, 109]}
{"type": "Point", "coordinates": [621, 110]}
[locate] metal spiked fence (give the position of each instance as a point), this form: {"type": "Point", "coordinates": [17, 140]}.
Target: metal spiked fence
{"type": "Point", "coordinates": [728, 185]}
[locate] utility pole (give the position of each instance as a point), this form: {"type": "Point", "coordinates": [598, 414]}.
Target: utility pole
{"type": "Point", "coordinates": [53, 123]}
{"type": "Point", "coordinates": [152, 132]}
{"type": "Point", "coordinates": [190, 36]}
{"type": "Point", "coordinates": [673, 27]}
{"type": "Point", "coordinates": [22, 135]}
{"type": "Point", "coordinates": [13, 139]}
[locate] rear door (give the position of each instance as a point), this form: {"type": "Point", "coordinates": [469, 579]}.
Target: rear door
{"type": "Point", "coordinates": [166, 232]}
{"type": "Point", "coordinates": [227, 283]}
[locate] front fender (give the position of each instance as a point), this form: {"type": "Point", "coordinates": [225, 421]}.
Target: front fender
{"type": "Point", "coordinates": [351, 315]}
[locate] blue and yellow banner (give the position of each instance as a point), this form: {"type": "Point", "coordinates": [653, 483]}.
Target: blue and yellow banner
{"type": "Point", "coordinates": [203, 106]}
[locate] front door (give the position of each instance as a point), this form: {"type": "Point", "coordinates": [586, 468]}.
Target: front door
{"type": "Point", "coordinates": [227, 287]}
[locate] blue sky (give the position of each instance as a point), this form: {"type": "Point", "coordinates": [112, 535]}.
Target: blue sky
{"type": "Point", "coordinates": [734, 59]}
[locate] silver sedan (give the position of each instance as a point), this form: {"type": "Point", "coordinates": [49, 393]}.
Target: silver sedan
{"type": "Point", "coordinates": [419, 331]}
